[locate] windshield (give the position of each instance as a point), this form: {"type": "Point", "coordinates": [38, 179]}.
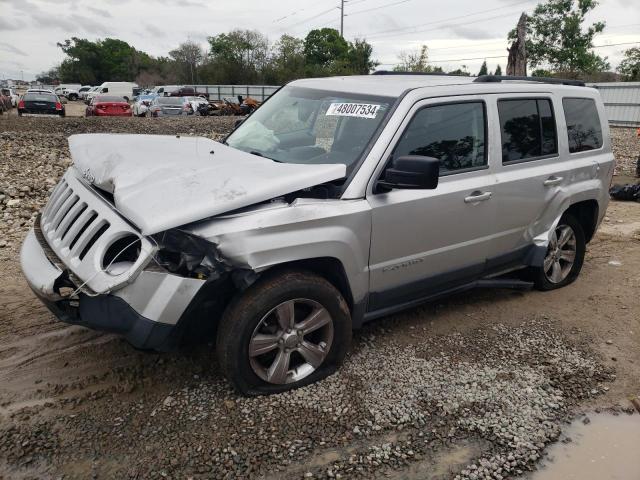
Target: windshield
{"type": "Point", "coordinates": [303, 125]}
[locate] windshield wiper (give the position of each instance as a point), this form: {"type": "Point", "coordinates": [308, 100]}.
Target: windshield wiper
{"type": "Point", "coordinates": [260, 154]}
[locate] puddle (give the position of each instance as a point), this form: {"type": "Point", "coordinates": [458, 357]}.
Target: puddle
{"type": "Point", "coordinates": [604, 449]}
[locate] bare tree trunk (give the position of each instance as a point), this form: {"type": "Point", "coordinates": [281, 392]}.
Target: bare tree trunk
{"type": "Point", "coordinates": [517, 61]}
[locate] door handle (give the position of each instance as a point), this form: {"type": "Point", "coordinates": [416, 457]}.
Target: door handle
{"type": "Point", "coordinates": [553, 180]}
{"type": "Point", "coordinates": [477, 196]}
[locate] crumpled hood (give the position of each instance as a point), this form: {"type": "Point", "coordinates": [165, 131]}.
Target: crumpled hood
{"type": "Point", "coordinates": [161, 182]}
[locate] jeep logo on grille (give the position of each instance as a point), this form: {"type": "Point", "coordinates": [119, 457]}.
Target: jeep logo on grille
{"type": "Point", "coordinates": [88, 176]}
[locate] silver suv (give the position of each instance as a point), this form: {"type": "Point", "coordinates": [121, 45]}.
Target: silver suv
{"type": "Point", "coordinates": [339, 201]}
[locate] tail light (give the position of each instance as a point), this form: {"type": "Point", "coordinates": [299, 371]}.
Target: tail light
{"type": "Point", "coordinates": [21, 104]}
{"type": "Point", "coordinates": [125, 107]}
{"type": "Point", "coordinates": [100, 106]}
{"type": "Point", "coordinates": [58, 106]}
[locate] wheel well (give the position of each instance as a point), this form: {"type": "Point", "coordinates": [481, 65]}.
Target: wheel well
{"type": "Point", "coordinates": [329, 268]}
{"type": "Point", "coordinates": [586, 213]}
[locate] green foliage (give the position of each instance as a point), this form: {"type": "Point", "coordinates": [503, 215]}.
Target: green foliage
{"type": "Point", "coordinates": [236, 57]}
{"type": "Point", "coordinates": [541, 72]}
{"type": "Point", "coordinates": [483, 69]}
{"type": "Point", "coordinates": [324, 47]}
{"type": "Point", "coordinates": [92, 63]}
{"type": "Point", "coordinates": [416, 61]}
{"type": "Point", "coordinates": [463, 70]}
{"type": "Point", "coordinates": [629, 67]}
{"type": "Point", "coordinates": [557, 40]}
{"type": "Point", "coordinates": [498, 70]}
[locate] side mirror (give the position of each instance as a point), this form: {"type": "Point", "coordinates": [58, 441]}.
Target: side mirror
{"type": "Point", "coordinates": [411, 172]}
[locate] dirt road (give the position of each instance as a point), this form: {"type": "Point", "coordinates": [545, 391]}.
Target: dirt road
{"type": "Point", "coordinates": [479, 384]}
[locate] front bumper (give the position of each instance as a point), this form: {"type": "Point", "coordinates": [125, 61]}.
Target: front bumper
{"type": "Point", "coordinates": [145, 312]}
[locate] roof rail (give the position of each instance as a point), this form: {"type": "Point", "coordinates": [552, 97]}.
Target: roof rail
{"type": "Point", "coordinates": [557, 81]}
{"type": "Point", "coordinates": [437, 74]}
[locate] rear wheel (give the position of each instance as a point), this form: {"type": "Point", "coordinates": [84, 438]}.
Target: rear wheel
{"type": "Point", "coordinates": [285, 331]}
{"type": "Point", "coordinates": [565, 256]}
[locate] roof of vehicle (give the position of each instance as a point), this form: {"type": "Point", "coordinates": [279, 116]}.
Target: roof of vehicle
{"type": "Point", "coordinates": [393, 85]}
{"type": "Point", "coordinates": [109, 98]}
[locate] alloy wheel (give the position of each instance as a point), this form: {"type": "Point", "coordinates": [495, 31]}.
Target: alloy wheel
{"type": "Point", "coordinates": [291, 341]}
{"type": "Point", "coordinates": [561, 254]}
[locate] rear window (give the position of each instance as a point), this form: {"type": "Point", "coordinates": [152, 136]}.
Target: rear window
{"type": "Point", "coordinates": [107, 98]}
{"type": "Point", "coordinates": [583, 124]}
{"type": "Point", "coordinates": [528, 129]}
{"type": "Point", "coordinates": [40, 97]}
{"type": "Point", "coordinates": [170, 101]}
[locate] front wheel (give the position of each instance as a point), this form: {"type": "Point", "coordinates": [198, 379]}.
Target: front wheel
{"type": "Point", "coordinates": [285, 331]}
{"type": "Point", "coordinates": [565, 256]}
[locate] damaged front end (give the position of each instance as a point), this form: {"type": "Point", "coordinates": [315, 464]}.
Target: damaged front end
{"type": "Point", "coordinates": [91, 267]}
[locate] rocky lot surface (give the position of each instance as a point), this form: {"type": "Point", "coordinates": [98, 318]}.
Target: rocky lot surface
{"type": "Point", "coordinates": [472, 387]}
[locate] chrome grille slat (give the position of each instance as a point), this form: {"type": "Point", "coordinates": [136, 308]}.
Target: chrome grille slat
{"type": "Point", "coordinates": [53, 198]}
{"type": "Point", "coordinates": [63, 211]}
{"type": "Point", "coordinates": [55, 207]}
{"type": "Point", "coordinates": [77, 225]}
{"type": "Point", "coordinates": [86, 236]}
{"type": "Point", "coordinates": [75, 228]}
{"type": "Point", "coordinates": [66, 224]}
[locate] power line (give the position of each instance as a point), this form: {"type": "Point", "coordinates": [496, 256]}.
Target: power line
{"type": "Point", "coordinates": [505, 56]}
{"type": "Point", "coordinates": [435, 22]}
{"type": "Point", "coordinates": [377, 8]}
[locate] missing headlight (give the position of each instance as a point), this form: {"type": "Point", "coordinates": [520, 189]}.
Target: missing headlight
{"type": "Point", "coordinates": [187, 255]}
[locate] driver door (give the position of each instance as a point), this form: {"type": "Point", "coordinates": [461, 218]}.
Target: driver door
{"type": "Point", "coordinates": [427, 241]}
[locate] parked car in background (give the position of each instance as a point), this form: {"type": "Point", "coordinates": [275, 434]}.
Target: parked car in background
{"type": "Point", "coordinates": [195, 102]}
{"type": "Point", "coordinates": [83, 94]}
{"type": "Point", "coordinates": [141, 105]}
{"type": "Point", "coordinates": [170, 106]}
{"type": "Point", "coordinates": [108, 106]}
{"type": "Point", "coordinates": [82, 91]}
{"type": "Point", "coordinates": [14, 97]}
{"type": "Point", "coordinates": [164, 90]}
{"type": "Point", "coordinates": [187, 92]}
{"type": "Point", "coordinates": [120, 89]}
{"type": "Point", "coordinates": [39, 90]}
{"type": "Point", "coordinates": [6, 99]}
{"type": "Point", "coordinates": [40, 104]}
{"type": "Point", "coordinates": [92, 92]}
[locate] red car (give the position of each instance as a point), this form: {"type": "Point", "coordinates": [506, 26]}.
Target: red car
{"type": "Point", "coordinates": [108, 106]}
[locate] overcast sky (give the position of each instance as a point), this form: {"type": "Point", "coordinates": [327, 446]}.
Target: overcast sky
{"type": "Point", "coordinates": [454, 30]}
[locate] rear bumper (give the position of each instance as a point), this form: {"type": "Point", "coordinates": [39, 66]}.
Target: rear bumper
{"type": "Point", "coordinates": [145, 312]}
{"type": "Point", "coordinates": [109, 114]}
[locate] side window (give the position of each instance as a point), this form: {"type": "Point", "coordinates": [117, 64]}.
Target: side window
{"type": "Point", "coordinates": [583, 124]}
{"type": "Point", "coordinates": [453, 133]}
{"type": "Point", "coordinates": [528, 129]}
{"type": "Point", "coordinates": [105, 90]}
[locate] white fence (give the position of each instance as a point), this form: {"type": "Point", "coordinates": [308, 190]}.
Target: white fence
{"type": "Point", "coordinates": [621, 101]}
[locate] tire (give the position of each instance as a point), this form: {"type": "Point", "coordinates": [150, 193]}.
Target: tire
{"type": "Point", "coordinates": [73, 97]}
{"type": "Point", "coordinates": [257, 313]}
{"type": "Point", "coordinates": [549, 276]}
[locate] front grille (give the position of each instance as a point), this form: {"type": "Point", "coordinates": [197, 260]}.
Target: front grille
{"type": "Point", "coordinates": [69, 224]}
{"type": "Point", "coordinates": [77, 226]}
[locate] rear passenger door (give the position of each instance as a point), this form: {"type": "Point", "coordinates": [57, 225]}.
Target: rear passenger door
{"type": "Point", "coordinates": [533, 171]}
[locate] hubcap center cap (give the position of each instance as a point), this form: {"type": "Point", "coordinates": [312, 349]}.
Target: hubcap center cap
{"type": "Point", "coordinates": [290, 340]}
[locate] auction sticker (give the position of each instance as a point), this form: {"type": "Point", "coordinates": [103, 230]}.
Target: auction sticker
{"type": "Point", "coordinates": [361, 110]}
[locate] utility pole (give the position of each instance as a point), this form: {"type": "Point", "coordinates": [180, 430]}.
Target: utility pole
{"type": "Point", "coordinates": [342, 18]}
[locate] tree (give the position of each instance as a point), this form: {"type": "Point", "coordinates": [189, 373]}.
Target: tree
{"type": "Point", "coordinates": [49, 77]}
{"type": "Point", "coordinates": [324, 47]}
{"type": "Point", "coordinates": [629, 67]}
{"type": "Point", "coordinates": [483, 69]}
{"type": "Point", "coordinates": [188, 57]}
{"type": "Point", "coordinates": [237, 57]}
{"type": "Point", "coordinates": [556, 38]}
{"type": "Point", "coordinates": [359, 55]}
{"type": "Point", "coordinates": [463, 70]}
{"type": "Point", "coordinates": [416, 61]}
{"type": "Point", "coordinates": [498, 70]}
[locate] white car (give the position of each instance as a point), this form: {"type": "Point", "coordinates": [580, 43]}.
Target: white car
{"type": "Point", "coordinates": [15, 98]}
{"type": "Point", "coordinates": [142, 104]}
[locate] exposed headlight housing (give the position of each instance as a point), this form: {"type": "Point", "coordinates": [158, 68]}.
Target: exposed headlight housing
{"type": "Point", "coordinates": [187, 255]}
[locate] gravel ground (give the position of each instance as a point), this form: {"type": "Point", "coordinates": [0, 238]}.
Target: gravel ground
{"type": "Point", "coordinates": [473, 387]}
{"type": "Point", "coordinates": [625, 143]}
